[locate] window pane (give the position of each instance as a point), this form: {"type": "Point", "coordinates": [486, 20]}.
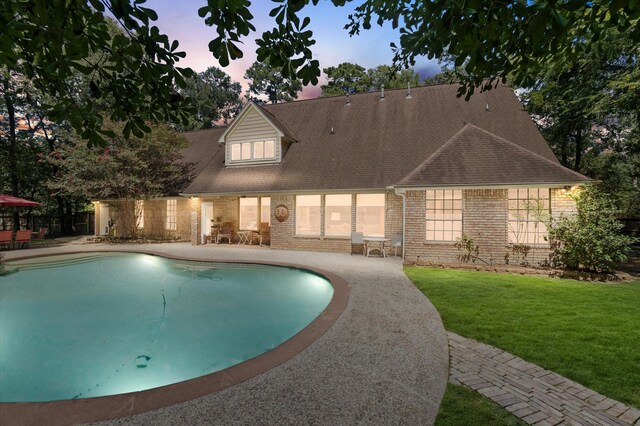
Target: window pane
{"type": "Point", "coordinates": [265, 209]}
{"type": "Point", "coordinates": [337, 215]}
{"type": "Point", "coordinates": [307, 215]}
{"type": "Point", "coordinates": [235, 151]}
{"type": "Point", "coordinates": [526, 208]}
{"type": "Point", "coordinates": [370, 214]}
{"type": "Point", "coordinates": [249, 213]}
{"type": "Point", "coordinates": [444, 215]}
{"type": "Point", "coordinates": [246, 150]}
{"type": "Point", "coordinates": [258, 150]}
{"type": "Point", "coordinates": [269, 149]}
{"type": "Point", "coordinates": [172, 210]}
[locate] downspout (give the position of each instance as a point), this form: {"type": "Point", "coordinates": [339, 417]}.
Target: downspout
{"type": "Point", "coordinates": [403, 194]}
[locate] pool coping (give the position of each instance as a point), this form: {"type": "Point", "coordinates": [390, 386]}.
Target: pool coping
{"type": "Point", "coordinates": [123, 405]}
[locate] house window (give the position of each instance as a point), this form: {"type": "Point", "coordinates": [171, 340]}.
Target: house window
{"type": "Point", "coordinates": [139, 212]}
{"type": "Point", "coordinates": [172, 212]}
{"type": "Point", "coordinates": [444, 214]}
{"type": "Point", "coordinates": [257, 150]}
{"type": "Point", "coordinates": [235, 152]}
{"type": "Point", "coordinates": [308, 215]}
{"type": "Point", "coordinates": [265, 210]}
{"type": "Point", "coordinates": [527, 208]}
{"type": "Point", "coordinates": [370, 214]}
{"type": "Point", "coordinates": [249, 213]}
{"type": "Point", "coordinates": [337, 215]}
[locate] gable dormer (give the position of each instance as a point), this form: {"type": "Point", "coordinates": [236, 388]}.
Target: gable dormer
{"type": "Point", "coordinates": [255, 137]}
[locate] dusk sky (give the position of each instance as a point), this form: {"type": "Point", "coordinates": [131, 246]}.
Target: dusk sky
{"type": "Point", "coordinates": [180, 21]}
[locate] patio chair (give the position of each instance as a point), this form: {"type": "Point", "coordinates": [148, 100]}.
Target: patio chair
{"type": "Point", "coordinates": [6, 238]}
{"type": "Point", "coordinates": [41, 235]}
{"type": "Point", "coordinates": [357, 238]}
{"type": "Point", "coordinates": [396, 242]}
{"type": "Point", "coordinates": [264, 233]}
{"type": "Point", "coordinates": [23, 238]}
{"type": "Point", "coordinates": [225, 232]}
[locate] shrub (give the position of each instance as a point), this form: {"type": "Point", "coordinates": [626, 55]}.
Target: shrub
{"type": "Point", "coordinates": [590, 239]}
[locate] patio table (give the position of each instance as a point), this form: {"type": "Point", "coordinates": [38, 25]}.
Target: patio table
{"type": "Point", "coordinates": [243, 237]}
{"type": "Point", "coordinates": [375, 244]}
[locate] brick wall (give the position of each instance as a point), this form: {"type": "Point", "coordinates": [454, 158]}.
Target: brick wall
{"type": "Point", "coordinates": [485, 220]}
{"type": "Point", "coordinates": [283, 234]}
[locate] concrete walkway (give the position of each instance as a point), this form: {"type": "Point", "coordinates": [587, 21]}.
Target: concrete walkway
{"type": "Point", "coordinates": [536, 395]}
{"type": "Point", "coordinates": [384, 361]}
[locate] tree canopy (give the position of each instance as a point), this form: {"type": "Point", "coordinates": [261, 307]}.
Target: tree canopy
{"type": "Point", "coordinates": [137, 72]}
{"type": "Point", "coordinates": [146, 167]}
{"type": "Point", "coordinates": [266, 80]}
{"type": "Point", "coordinates": [214, 96]}
{"type": "Point", "coordinates": [353, 78]}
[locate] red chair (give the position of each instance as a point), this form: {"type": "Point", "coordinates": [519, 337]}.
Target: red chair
{"type": "Point", "coordinates": [23, 238]}
{"type": "Point", "coordinates": [6, 238]}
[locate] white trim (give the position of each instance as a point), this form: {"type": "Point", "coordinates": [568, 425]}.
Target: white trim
{"type": "Point", "coordinates": [404, 189]}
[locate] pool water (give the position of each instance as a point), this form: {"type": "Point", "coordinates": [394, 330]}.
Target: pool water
{"type": "Point", "coordinates": [82, 326]}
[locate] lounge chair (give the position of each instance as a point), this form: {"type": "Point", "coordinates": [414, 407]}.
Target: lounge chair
{"type": "Point", "coordinates": [264, 233]}
{"type": "Point", "coordinates": [23, 238]}
{"type": "Point", "coordinates": [225, 232]}
{"type": "Point", "coordinates": [6, 238]}
{"type": "Point", "coordinates": [396, 242]}
{"type": "Point", "coordinates": [41, 235]}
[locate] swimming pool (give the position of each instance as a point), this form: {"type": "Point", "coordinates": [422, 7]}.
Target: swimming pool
{"type": "Point", "coordinates": [83, 326]}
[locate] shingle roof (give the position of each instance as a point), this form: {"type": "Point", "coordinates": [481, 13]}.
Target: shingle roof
{"type": "Point", "coordinates": [474, 156]}
{"type": "Point", "coordinates": [375, 143]}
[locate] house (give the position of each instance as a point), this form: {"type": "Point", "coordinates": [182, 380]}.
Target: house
{"type": "Point", "coordinates": [424, 164]}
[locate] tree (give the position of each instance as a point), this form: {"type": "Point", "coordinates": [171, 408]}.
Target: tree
{"type": "Point", "coordinates": [590, 114]}
{"type": "Point", "coordinates": [215, 97]}
{"type": "Point", "coordinates": [147, 167]}
{"type": "Point", "coordinates": [135, 71]}
{"type": "Point", "coordinates": [266, 80]}
{"type": "Point", "coordinates": [353, 78]}
{"type": "Point", "coordinates": [345, 78]}
{"type": "Point", "coordinates": [391, 78]}
{"type": "Point", "coordinates": [488, 42]}
{"type": "Point", "coordinates": [589, 239]}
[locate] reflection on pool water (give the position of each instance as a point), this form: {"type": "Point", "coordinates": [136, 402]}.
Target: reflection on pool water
{"type": "Point", "coordinates": [81, 326]}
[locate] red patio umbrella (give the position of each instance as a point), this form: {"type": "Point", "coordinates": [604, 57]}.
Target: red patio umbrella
{"type": "Point", "coordinates": [10, 201]}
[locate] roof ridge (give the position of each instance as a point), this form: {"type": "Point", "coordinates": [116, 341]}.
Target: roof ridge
{"type": "Point", "coordinates": [386, 90]}
{"type": "Point", "coordinates": [521, 148]}
{"type": "Point", "coordinates": [436, 152]}
{"type": "Point", "coordinates": [499, 139]}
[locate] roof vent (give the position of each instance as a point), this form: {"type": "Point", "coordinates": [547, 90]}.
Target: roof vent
{"type": "Point", "coordinates": [382, 93]}
{"type": "Point", "coordinates": [486, 108]}
{"type": "Point", "coordinates": [332, 132]}
{"type": "Point", "coordinates": [348, 103]}
{"type": "Point", "coordinates": [408, 91]}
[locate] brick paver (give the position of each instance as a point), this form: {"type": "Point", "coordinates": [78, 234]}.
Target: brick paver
{"type": "Point", "coordinates": [536, 395]}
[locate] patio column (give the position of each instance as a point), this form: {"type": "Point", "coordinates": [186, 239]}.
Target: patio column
{"type": "Point", "coordinates": [196, 219]}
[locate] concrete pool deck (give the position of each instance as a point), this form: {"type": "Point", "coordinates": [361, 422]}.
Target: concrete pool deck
{"type": "Point", "coordinates": [385, 360]}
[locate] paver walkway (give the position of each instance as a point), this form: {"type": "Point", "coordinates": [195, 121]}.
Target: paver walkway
{"type": "Point", "coordinates": [536, 395]}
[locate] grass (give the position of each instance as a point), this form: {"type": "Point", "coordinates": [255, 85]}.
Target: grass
{"type": "Point", "coordinates": [464, 407]}
{"type": "Point", "coordinates": [589, 332]}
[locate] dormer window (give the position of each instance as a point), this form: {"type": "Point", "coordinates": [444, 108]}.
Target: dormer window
{"type": "Point", "coordinates": [255, 138]}
{"type": "Point", "coordinates": [253, 151]}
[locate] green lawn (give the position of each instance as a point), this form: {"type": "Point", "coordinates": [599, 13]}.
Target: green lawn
{"type": "Point", "coordinates": [589, 332]}
{"type": "Point", "coordinates": [464, 407]}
